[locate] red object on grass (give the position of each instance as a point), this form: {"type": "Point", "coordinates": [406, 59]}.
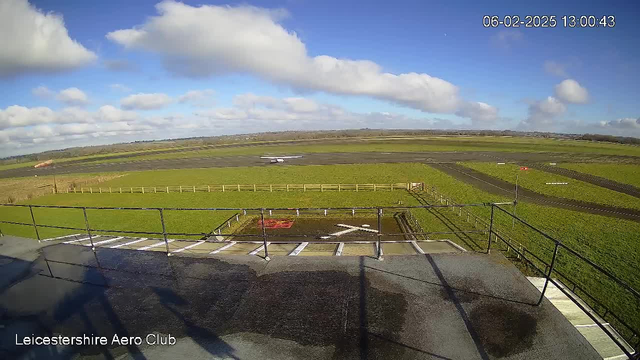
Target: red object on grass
{"type": "Point", "coordinates": [524, 168]}
{"type": "Point", "coordinates": [276, 223]}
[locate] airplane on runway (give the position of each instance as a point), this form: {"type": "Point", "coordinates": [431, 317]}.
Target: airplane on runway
{"type": "Point", "coordinates": [280, 159]}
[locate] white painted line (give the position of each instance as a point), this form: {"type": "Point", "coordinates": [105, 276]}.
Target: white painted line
{"type": "Point", "coordinates": [591, 325]}
{"type": "Point", "coordinates": [417, 248]}
{"type": "Point", "coordinates": [357, 228]}
{"type": "Point", "coordinates": [339, 249]}
{"type": "Point", "coordinates": [72, 241]}
{"type": "Point", "coordinates": [189, 246]}
{"type": "Point", "coordinates": [299, 249]}
{"type": "Point", "coordinates": [254, 252]}
{"type": "Point", "coordinates": [60, 237]}
{"type": "Point", "coordinates": [456, 245]}
{"type": "Point", "coordinates": [129, 243]}
{"type": "Point", "coordinates": [223, 248]}
{"type": "Point", "coordinates": [155, 245]}
{"type": "Point", "coordinates": [106, 241]}
{"type": "Point", "coordinates": [339, 233]}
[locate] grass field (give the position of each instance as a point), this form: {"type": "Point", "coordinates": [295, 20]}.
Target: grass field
{"type": "Point", "coordinates": [536, 180]}
{"type": "Point", "coordinates": [624, 173]}
{"type": "Point", "coordinates": [288, 174]}
{"type": "Point", "coordinates": [365, 144]}
{"type": "Point", "coordinates": [407, 145]}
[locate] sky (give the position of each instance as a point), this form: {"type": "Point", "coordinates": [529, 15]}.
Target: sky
{"type": "Point", "coordinates": [76, 72]}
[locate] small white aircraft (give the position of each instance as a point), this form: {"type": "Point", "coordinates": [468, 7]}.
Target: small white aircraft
{"type": "Point", "coordinates": [280, 159]}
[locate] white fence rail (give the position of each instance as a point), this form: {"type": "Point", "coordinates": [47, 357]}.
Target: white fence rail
{"type": "Point", "coordinates": [244, 187]}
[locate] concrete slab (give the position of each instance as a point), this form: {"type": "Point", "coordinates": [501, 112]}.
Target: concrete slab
{"type": "Point", "coordinates": [440, 306]}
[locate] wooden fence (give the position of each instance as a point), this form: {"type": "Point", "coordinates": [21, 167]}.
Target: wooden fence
{"type": "Point", "coordinates": [244, 187]}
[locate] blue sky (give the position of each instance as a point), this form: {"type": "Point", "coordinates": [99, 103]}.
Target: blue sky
{"type": "Point", "coordinates": [299, 64]}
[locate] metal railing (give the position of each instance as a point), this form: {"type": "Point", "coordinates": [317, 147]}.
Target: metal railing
{"type": "Point", "coordinates": [240, 187]}
{"type": "Point", "coordinates": [378, 211]}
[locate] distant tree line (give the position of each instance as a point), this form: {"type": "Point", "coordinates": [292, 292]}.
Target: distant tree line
{"type": "Point", "coordinates": [610, 138]}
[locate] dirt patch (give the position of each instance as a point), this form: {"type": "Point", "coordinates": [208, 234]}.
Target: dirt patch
{"type": "Point", "coordinates": [504, 329]}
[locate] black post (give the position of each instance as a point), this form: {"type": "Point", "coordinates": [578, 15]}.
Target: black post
{"type": "Point", "coordinates": [546, 282]}
{"type": "Point", "coordinates": [264, 235]}
{"type": "Point", "coordinates": [379, 254]}
{"type": "Point", "coordinates": [164, 231]}
{"type": "Point", "coordinates": [35, 227]}
{"type": "Point", "coordinates": [490, 230]}
{"type": "Point", "coordinates": [86, 223]}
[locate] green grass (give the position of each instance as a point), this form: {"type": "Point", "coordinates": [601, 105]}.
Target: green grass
{"type": "Point", "coordinates": [380, 144]}
{"type": "Point", "coordinates": [536, 180]}
{"type": "Point", "coordinates": [624, 173]}
{"type": "Point", "coordinates": [288, 174]}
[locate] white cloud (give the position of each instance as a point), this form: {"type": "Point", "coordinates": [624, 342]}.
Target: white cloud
{"type": "Point", "coordinates": [208, 40]}
{"type": "Point", "coordinates": [42, 91]}
{"type": "Point", "coordinates": [143, 101]}
{"type": "Point", "coordinates": [197, 97]}
{"type": "Point", "coordinates": [32, 41]}
{"type": "Point", "coordinates": [571, 92]}
{"type": "Point", "coordinates": [622, 126]}
{"type": "Point", "coordinates": [542, 114]}
{"type": "Point", "coordinates": [120, 87]}
{"type": "Point", "coordinates": [113, 114]}
{"type": "Point", "coordinates": [480, 113]}
{"type": "Point", "coordinates": [555, 68]}
{"type": "Point", "coordinates": [72, 96]}
{"type": "Point", "coordinates": [19, 116]}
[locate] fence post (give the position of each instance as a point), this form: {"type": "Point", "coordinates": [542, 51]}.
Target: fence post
{"type": "Point", "coordinates": [181, 188]}
{"type": "Point", "coordinates": [167, 189]}
{"type": "Point", "coordinates": [490, 230]}
{"type": "Point", "coordinates": [109, 189]}
{"type": "Point", "coordinates": [264, 235]}
{"type": "Point", "coordinates": [194, 188]}
{"type": "Point", "coordinates": [238, 187]}
{"type": "Point", "coordinates": [142, 189]}
{"type": "Point", "coordinates": [271, 187]}
{"type": "Point", "coordinates": [287, 187]}
{"type": "Point", "coordinates": [546, 281]}
{"type": "Point", "coordinates": [356, 187]}
{"type": "Point", "coordinates": [379, 254]}
{"type": "Point", "coordinates": [86, 224]}
{"type": "Point", "coordinates": [164, 231]}
{"type": "Point", "coordinates": [155, 190]}
{"type": "Point", "coordinates": [100, 190]}
{"type": "Point", "coordinates": [254, 187]}
{"type": "Point", "coordinates": [304, 187]}
{"type": "Point", "coordinates": [91, 190]}
{"type": "Point", "coordinates": [35, 227]}
{"type": "Point", "coordinates": [208, 188]}
{"type": "Point", "coordinates": [222, 188]}
{"type": "Point", "coordinates": [297, 212]}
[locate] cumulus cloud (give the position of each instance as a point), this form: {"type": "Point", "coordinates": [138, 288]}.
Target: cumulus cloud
{"type": "Point", "coordinates": [208, 40]}
{"type": "Point", "coordinates": [143, 101]}
{"type": "Point", "coordinates": [32, 41]}
{"type": "Point", "coordinates": [571, 92]}
{"type": "Point", "coordinates": [542, 113]}
{"type": "Point", "coordinates": [72, 96]}
{"type": "Point", "coordinates": [555, 68]}
{"type": "Point", "coordinates": [621, 126]}
{"type": "Point", "coordinates": [197, 97]}
{"type": "Point", "coordinates": [480, 113]}
{"type": "Point", "coordinates": [19, 116]}
{"type": "Point", "coordinates": [112, 114]}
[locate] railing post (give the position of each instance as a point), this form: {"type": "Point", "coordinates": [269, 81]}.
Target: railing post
{"type": "Point", "coordinates": [379, 254]}
{"type": "Point", "coordinates": [490, 230]}
{"type": "Point", "coordinates": [264, 235]}
{"type": "Point", "coordinates": [86, 224]}
{"type": "Point", "coordinates": [35, 227]}
{"type": "Point", "coordinates": [546, 282]}
{"type": "Point", "coordinates": [164, 231]}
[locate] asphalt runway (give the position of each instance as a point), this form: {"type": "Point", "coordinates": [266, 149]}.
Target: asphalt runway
{"type": "Point", "coordinates": [501, 187]}
{"type": "Point", "coordinates": [313, 159]}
